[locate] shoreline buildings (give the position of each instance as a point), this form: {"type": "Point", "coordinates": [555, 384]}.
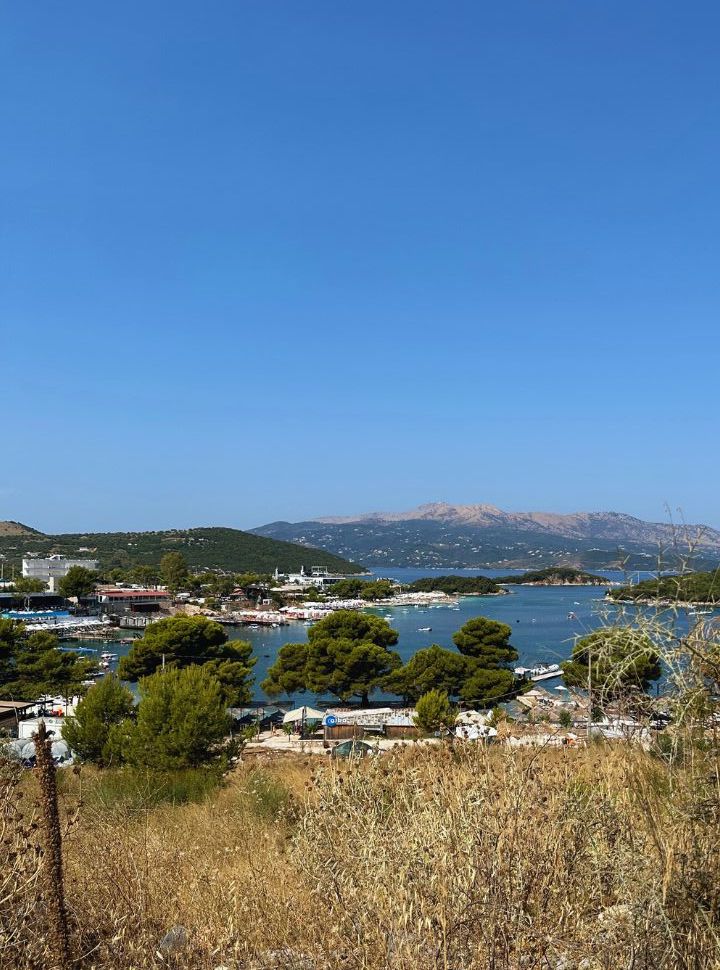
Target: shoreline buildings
{"type": "Point", "coordinates": [52, 569]}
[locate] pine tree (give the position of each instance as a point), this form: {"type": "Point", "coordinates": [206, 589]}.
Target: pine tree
{"type": "Point", "coordinates": [182, 720]}
{"type": "Point", "coordinates": [88, 731]}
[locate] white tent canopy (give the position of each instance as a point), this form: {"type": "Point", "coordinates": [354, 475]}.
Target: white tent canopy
{"type": "Point", "coordinates": [472, 717]}
{"type": "Point", "coordinates": [302, 714]}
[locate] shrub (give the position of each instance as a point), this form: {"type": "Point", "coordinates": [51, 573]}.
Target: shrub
{"type": "Point", "coordinates": [433, 711]}
{"type": "Point", "coordinates": [88, 731]}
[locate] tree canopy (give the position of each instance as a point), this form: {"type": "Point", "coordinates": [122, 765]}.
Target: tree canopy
{"type": "Point", "coordinates": [487, 685]}
{"type": "Point", "coordinates": [381, 589]}
{"type": "Point", "coordinates": [347, 654]}
{"type": "Point", "coordinates": [347, 589]}
{"type": "Point", "coordinates": [613, 661]}
{"type": "Point", "coordinates": [553, 576]}
{"type": "Point", "coordinates": [78, 581]}
{"type": "Point", "coordinates": [192, 641]}
{"type": "Point", "coordinates": [89, 731]}
{"type": "Point", "coordinates": [355, 626]}
{"type": "Point", "coordinates": [32, 665]}
{"type": "Point", "coordinates": [11, 635]}
{"type": "Point", "coordinates": [487, 641]}
{"type": "Point", "coordinates": [432, 668]}
{"type": "Point", "coordinates": [698, 587]}
{"type": "Point", "coordinates": [145, 575]}
{"type": "Point", "coordinates": [29, 584]}
{"type": "Point", "coordinates": [433, 711]}
{"type": "Point", "coordinates": [287, 674]}
{"type": "Point", "coordinates": [478, 674]}
{"type": "Point", "coordinates": [174, 570]}
{"type": "Point", "coordinates": [182, 720]}
{"type": "Point", "coordinates": [460, 585]}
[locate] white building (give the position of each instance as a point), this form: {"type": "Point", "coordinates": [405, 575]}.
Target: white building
{"type": "Point", "coordinates": [54, 568]}
{"type": "Point", "coordinates": [316, 576]}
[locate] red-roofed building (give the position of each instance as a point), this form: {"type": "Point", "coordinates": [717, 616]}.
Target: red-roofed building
{"type": "Point", "coordinates": [123, 602]}
{"type": "Point", "coordinates": [131, 595]}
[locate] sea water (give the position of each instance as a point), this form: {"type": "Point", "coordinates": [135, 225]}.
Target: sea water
{"type": "Point", "coordinates": [545, 620]}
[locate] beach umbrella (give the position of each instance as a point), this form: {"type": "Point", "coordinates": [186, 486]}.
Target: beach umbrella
{"type": "Point", "coordinates": [302, 714]}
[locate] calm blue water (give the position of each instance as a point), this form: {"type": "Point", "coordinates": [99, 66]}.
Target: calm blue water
{"type": "Point", "coordinates": [538, 615]}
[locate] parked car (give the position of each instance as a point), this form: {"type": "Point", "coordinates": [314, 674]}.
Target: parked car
{"type": "Point", "coordinates": [352, 749]}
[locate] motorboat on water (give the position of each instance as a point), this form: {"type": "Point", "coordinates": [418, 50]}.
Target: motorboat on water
{"type": "Point", "coordinates": [539, 672]}
{"type": "Point", "coordinates": [424, 629]}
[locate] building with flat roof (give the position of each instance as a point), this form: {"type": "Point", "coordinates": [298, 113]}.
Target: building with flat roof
{"type": "Point", "coordinates": [53, 568]}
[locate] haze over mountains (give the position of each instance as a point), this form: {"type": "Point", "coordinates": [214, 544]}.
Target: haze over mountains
{"type": "Point", "coordinates": [439, 534]}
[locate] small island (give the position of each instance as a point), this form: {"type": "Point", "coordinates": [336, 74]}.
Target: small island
{"type": "Point", "coordinates": [456, 586]}
{"type": "Point", "coordinates": [688, 589]}
{"type": "Point", "coordinates": [554, 576]}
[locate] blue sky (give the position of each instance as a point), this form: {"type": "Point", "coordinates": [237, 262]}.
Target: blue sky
{"type": "Point", "coordinates": [277, 260]}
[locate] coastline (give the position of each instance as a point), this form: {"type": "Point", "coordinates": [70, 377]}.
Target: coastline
{"type": "Point", "coordinates": [652, 601]}
{"type": "Point", "coordinates": [608, 582]}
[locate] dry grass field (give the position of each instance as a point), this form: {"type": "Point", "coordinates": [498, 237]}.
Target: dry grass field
{"type": "Point", "coordinates": [457, 858]}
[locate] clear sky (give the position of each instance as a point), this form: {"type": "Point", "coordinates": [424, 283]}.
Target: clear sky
{"type": "Point", "coordinates": [265, 260]}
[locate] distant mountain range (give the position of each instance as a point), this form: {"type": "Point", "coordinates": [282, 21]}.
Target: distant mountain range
{"type": "Point", "coordinates": [476, 536]}
{"type": "Point", "coordinates": [209, 548]}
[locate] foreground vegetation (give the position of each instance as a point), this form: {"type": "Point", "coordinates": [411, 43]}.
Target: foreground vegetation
{"type": "Point", "coordinates": [445, 854]}
{"type": "Point", "coordinates": [434, 857]}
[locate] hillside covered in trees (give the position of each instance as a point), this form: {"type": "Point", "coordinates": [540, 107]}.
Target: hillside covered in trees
{"type": "Point", "coordinates": [554, 576]}
{"type": "Point", "coordinates": [459, 585]}
{"type": "Point", "coordinates": [696, 588]}
{"type": "Point", "coordinates": [205, 548]}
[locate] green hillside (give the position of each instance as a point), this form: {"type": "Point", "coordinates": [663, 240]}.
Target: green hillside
{"type": "Point", "coordinates": [210, 548]}
{"type": "Point", "coordinates": [700, 588]}
{"type": "Point", "coordinates": [554, 576]}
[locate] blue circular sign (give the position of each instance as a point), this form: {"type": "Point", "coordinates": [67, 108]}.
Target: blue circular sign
{"type": "Point", "coordinates": [330, 720]}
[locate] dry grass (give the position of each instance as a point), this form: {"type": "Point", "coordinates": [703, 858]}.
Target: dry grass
{"type": "Point", "coordinates": [458, 858]}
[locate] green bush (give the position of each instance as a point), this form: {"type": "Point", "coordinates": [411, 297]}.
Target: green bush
{"type": "Point", "coordinates": [565, 719]}
{"type": "Point", "coordinates": [433, 711]}
{"type": "Point", "coordinates": [136, 789]}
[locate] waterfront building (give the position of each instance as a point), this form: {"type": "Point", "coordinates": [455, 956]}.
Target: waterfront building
{"type": "Point", "coordinates": [317, 576]}
{"type": "Point", "coordinates": [133, 607]}
{"type": "Point", "coordinates": [53, 568]}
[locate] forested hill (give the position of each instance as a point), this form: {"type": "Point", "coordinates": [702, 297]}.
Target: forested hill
{"type": "Point", "coordinates": [698, 588]}
{"type": "Point", "coordinates": [449, 544]}
{"type": "Point", "coordinates": [208, 548]}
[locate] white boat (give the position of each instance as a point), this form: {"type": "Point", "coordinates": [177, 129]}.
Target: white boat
{"type": "Point", "coordinates": [108, 656]}
{"type": "Point", "coordinates": [540, 672]}
{"type": "Point", "coordinates": [424, 629]}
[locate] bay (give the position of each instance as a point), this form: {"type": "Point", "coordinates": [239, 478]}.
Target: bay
{"type": "Point", "coordinates": [545, 620]}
